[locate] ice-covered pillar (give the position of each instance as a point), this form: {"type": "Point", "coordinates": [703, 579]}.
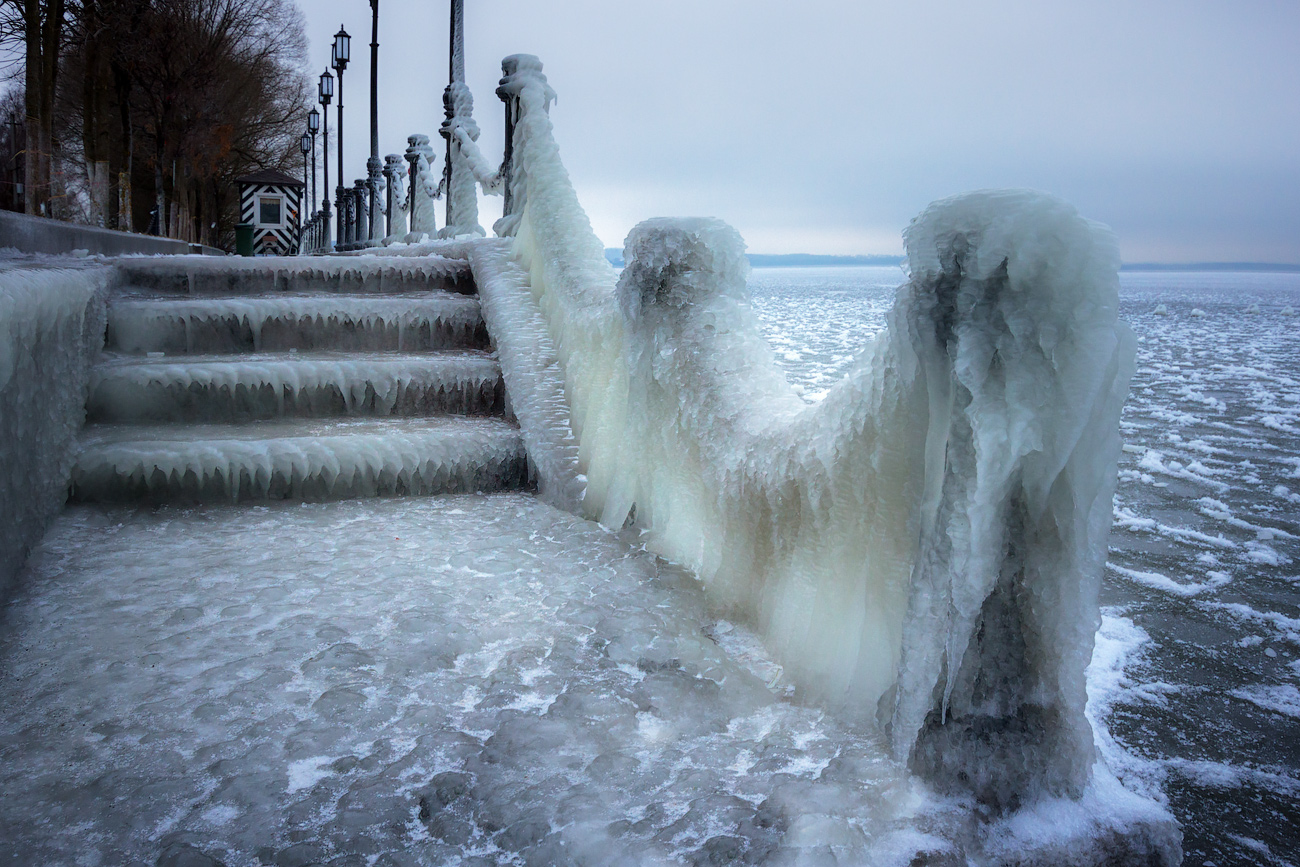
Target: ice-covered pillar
{"type": "Point", "coordinates": [397, 201]}
{"type": "Point", "coordinates": [521, 71]}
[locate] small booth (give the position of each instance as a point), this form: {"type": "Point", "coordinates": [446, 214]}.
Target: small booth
{"type": "Point", "coordinates": [270, 202]}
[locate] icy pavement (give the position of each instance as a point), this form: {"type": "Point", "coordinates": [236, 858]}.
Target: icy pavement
{"type": "Point", "coordinates": [470, 679]}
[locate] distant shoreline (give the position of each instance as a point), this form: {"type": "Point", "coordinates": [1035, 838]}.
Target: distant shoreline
{"type": "Point", "coordinates": [1212, 266]}
{"type": "Point", "coordinates": [814, 260]}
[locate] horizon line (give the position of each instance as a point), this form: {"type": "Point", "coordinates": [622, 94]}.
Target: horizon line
{"type": "Point", "coordinates": [777, 260]}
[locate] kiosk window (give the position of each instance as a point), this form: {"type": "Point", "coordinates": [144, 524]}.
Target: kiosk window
{"type": "Point", "coordinates": [269, 211]}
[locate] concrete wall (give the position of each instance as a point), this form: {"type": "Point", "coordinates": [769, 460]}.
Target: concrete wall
{"type": "Point", "coordinates": [39, 235]}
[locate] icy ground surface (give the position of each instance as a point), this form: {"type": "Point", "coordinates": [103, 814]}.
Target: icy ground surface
{"type": "Point", "coordinates": [1200, 685]}
{"type": "Point", "coordinates": [472, 679]}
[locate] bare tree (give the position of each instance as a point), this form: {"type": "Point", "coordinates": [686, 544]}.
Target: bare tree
{"type": "Point", "coordinates": [165, 102]}
{"type": "Point", "coordinates": [40, 25]}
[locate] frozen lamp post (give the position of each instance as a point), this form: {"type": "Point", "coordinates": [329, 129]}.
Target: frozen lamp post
{"type": "Point", "coordinates": [373, 165]}
{"type": "Point", "coordinates": [305, 144]}
{"type": "Point", "coordinates": [313, 127]}
{"type": "Point", "coordinates": [326, 88]}
{"type": "Point", "coordinates": [458, 177]}
{"type": "Point", "coordinates": [342, 52]}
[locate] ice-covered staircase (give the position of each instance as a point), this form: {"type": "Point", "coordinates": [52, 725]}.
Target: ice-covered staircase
{"type": "Point", "coordinates": [310, 379]}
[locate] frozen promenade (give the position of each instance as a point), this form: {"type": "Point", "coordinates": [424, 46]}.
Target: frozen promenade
{"type": "Point", "coordinates": [278, 665]}
{"type": "Point", "coordinates": [422, 680]}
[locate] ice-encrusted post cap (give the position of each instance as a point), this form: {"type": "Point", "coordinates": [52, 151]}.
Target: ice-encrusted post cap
{"type": "Point", "coordinates": [680, 261]}
{"type": "Point", "coordinates": [521, 63]}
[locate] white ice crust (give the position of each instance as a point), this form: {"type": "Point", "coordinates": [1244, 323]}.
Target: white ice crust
{"type": "Point", "coordinates": [924, 547]}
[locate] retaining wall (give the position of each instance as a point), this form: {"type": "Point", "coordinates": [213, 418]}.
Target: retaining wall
{"type": "Point", "coordinates": [51, 330]}
{"type": "Point", "coordinates": [54, 237]}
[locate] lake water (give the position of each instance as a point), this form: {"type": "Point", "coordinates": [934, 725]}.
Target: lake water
{"type": "Point", "coordinates": [1201, 599]}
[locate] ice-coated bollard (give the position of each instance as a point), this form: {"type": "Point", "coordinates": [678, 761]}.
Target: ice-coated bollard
{"type": "Point", "coordinates": [423, 189]}
{"type": "Point", "coordinates": [459, 183]}
{"type": "Point", "coordinates": [360, 207]}
{"type": "Point", "coordinates": [398, 200]}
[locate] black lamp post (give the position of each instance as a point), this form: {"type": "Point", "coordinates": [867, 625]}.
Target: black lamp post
{"type": "Point", "coordinates": [326, 88]}
{"type": "Point", "coordinates": [305, 144]}
{"type": "Point", "coordinates": [313, 127]}
{"type": "Point", "coordinates": [373, 165]}
{"type": "Point", "coordinates": [342, 52]}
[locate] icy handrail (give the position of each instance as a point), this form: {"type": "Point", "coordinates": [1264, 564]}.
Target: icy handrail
{"type": "Point", "coordinates": [924, 547]}
{"type": "Point", "coordinates": [489, 178]}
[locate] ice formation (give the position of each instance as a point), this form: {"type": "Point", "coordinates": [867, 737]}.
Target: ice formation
{"type": "Point", "coordinates": [244, 387]}
{"type": "Point", "coordinates": [922, 548]}
{"type": "Point", "coordinates": [529, 364]}
{"type": "Point", "coordinates": [272, 323]}
{"type": "Point", "coordinates": [325, 459]}
{"type": "Point", "coordinates": [51, 328]}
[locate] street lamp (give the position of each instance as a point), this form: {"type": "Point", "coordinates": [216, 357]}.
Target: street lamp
{"type": "Point", "coordinates": [373, 165]}
{"type": "Point", "coordinates": [342, 53]}
{"type": "Point", "coordinates": [326, 91]}
{"type": "Point", "coordinates": [313, 127]}
{"type": "Point", "coordinates": [305, 144]}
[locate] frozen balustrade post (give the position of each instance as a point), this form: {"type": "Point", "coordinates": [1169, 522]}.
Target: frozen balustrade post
{"type": "Point", "coordinates": [1011, 312]}
{"type": "Point", "coordinates": [518, 70]}
{"type": "Point", "coordinates": [423, 188]}
{"type": "Point", "coordinates": [360, 189]}
{"type": "Point", "coordinates": [397, 198]}
{"type": "Point", "coordinates": [459, 182]}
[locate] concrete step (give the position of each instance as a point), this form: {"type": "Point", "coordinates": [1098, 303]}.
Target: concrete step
{"type": "Point", "coordinates": [260, 386]}
{"type": "Point", "coordinates": [228, 275]}
{"type": "Point", "coordinates": [308, 460]}
{"type": "Point", "coordinates": [270, 323]}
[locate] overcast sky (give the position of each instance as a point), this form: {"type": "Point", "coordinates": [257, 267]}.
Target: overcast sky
{"type": "Point", "coordinates": [824, 126]}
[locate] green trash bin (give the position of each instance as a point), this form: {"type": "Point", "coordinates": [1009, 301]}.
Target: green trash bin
{"type": "Point", "coordinates": [244, 239]}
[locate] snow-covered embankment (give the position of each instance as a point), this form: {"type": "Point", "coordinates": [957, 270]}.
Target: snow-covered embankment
{"type": "Point", "coordinates": [51, 329]}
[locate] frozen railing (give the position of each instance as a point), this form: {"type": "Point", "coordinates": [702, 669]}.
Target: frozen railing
{"type": "Point", "coordinates": [407, 197]}
{"type": "Point", "coordinates": [923, 548]}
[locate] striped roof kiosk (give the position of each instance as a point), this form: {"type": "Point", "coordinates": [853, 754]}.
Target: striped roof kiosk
{"type": "Point", "coordinates": [270, 201]}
